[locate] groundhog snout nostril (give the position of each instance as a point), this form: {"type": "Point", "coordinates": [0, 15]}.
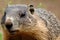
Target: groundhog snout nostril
{"type": "Point", "coordinates": [8, 24]}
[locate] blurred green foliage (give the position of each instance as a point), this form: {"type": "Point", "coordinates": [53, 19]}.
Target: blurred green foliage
{"type": "Point", "coordinates": [41, 5]}
{"type": "Point", "coordinates": [0, 36]}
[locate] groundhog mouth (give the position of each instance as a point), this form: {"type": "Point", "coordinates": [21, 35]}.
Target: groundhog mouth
{"type": "Point", "coordinates": [22, 36]}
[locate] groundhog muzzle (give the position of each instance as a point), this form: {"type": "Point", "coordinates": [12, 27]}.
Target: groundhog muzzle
{"type": "Point", "coordinates": [22, 22]}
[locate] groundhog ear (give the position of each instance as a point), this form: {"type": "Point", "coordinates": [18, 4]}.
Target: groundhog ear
{"type": "Point", "coordinates": [31, 9]}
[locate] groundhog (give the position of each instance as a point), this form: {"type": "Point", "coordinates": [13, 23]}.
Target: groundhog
{"type": "Point", "coordinates": [24, 22]}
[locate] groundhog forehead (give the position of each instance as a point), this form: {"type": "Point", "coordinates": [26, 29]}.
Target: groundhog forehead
{"type": "Point", "coordinates": [16, 8]}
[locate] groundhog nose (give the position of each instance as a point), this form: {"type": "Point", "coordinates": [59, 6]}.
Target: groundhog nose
{"type": "Point", "coordinates": [8, 24]}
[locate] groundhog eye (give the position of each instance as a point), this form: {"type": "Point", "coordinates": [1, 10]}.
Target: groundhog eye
{"type": "Point", "coordinates": [22, 15]}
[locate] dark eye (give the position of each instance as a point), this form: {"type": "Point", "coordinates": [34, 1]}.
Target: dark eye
{"type": "Point", "coordinates": [22, 15]}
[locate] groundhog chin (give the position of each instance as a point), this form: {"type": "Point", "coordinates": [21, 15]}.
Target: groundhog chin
{"type": "Point", "coordinates": [21, 35]}
{"type": "Point", "coordinates": [17, 35]}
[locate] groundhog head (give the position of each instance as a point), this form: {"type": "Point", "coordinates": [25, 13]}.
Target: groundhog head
{"type": "Point", "coordinates": [21, 22]}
